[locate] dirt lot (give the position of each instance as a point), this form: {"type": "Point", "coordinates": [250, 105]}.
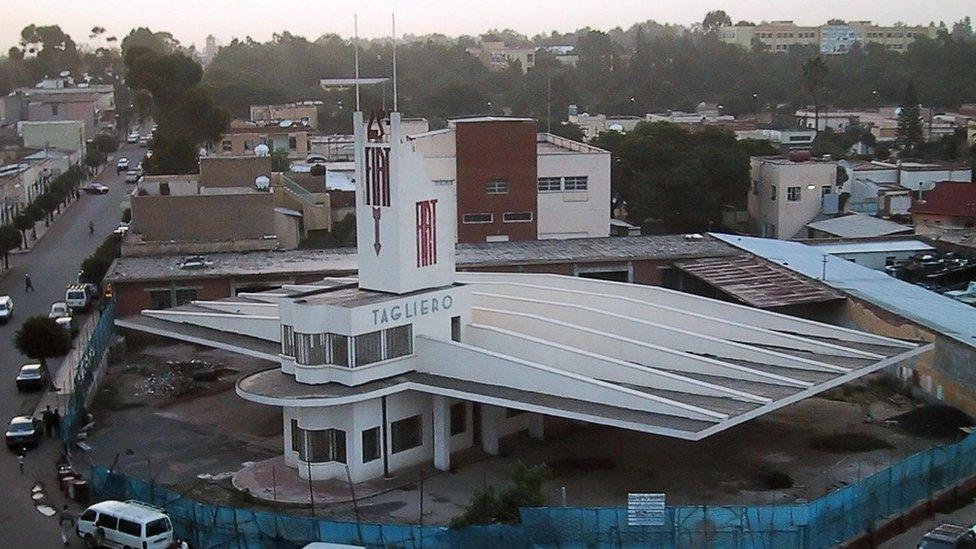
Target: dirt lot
{"type": "Point", "coordinates": [152, 415]}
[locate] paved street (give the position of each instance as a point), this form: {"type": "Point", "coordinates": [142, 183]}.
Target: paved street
{"type": "Point", "coordinates": [52, 264]}
{"type": "Point", "coordinates": [965, 516]}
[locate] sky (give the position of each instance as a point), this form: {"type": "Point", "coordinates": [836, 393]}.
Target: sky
{"type": "Point", "coordinates": [191, 21]}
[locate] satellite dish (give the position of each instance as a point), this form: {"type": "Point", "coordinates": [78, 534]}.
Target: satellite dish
{"type": "Point", "coordinates": [262, 150]}
{"type": "Point", "coordinates": [262, 182]}
{"type": "Point", "coordinates": [285, 123]}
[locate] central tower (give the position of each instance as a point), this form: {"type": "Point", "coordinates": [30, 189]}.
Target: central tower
{"type": "Point", "coordinates": [404, 229]}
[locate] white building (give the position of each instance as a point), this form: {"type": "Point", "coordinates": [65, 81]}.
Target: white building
{"type": "Point", "coordinates": [787, 194]}
{"type": "Point", "coordinates": [413, 361]}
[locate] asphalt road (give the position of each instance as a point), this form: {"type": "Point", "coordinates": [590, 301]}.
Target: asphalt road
{"type": "Point", "coordinates": [52, 264]}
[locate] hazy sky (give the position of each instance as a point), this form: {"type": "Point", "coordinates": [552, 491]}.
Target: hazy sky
{"type": "Point", "coordinates": [191, 20]}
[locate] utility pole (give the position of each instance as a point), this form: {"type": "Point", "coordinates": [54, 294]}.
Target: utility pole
{"type": "Point", "coordinates": [824, 275]}
{"type": "Point", "coordinates": [549, 104]}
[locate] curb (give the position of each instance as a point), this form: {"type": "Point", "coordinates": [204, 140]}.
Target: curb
{"type": "Point", "coordinates": [34, 244]}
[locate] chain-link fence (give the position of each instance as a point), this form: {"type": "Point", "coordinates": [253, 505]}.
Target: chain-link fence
{"type": "Point", "coordinates": [825, 522]}
{"type": "Point", "coordinates": [75, 415]}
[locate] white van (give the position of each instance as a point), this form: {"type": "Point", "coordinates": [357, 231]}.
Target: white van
{"type": "Point", "coordinates": [130, 524]}
{"type": "Point", "coordinates": [77, 297]}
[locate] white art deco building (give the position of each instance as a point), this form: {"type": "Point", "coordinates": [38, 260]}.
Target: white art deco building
{"type": "Point", "coordinates": [413, 361]}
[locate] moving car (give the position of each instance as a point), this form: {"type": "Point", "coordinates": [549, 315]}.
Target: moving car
{"type": "Point", "coordinates": [78, 297]}
{"type": "Point", "coordinates": [23, 431]}
{"type": "Point", "coordinates": [95, 188]}
{"type": "Point", "coordinates": [143, 141]}
{"type": "Point", "coordinates": [6, 308]}
{"type": "Point", "coordinates": [949, 536]}
{"type": "Point", "coordinates": [132, 176]}
{"type": "Point", "coordinates": [113, 523]}
{"type": "Point", "coordinates": [31, 377]}
{"type": "Point", "coordinates": [122, 165]}
{"type": "Point", "coordinates": [59, 309]}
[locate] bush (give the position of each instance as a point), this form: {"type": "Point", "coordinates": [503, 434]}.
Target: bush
{"type": "Point", "coordinates": [490, 507]}
{"type": "Point", "coordinates": [95, 266]}
{"type": "Point", "coordinates": [847, 443]}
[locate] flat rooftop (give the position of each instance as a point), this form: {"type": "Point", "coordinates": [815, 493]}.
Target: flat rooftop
{"type": "Point", "coordinates": [873, 246]}
{"type": "Point", "coordinates": [859, 225]}
{"type": "Point", "coordinates": [343, 261]}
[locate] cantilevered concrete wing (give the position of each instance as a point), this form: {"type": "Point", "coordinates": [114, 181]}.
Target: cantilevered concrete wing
{"type": "Point", "coordinates": [636, 357]}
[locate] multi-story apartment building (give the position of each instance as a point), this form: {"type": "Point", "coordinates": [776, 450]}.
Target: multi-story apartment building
{"type": "Point", "coordinates": [497, 56]}
{"type": "Point", "coordinates": [513, 183]}
{"type": "Point", "coordinates": [243, 136]}
{"type": "Point", "coordinates": [780, 36]}
{"type": "Point", "coordinates": [787, 193]}
{"type": "Point", "coordinates": [305, 112]}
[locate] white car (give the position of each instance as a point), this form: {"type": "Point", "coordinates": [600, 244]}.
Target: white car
{"type": "Point", "coordinates": [95, 188]}
{"type": "Point", "coordinates": [113, 523]}
{"type": "Point", "coordinates": [122, 164]}
{"type": "Point", "coordinates": [133, 137]}
{"type": "Point", "coordinates": [132, 176]}
{"type": "Point", "coordinates": [6, 308]}
{"type": "Point", "coordinates": [122, 229]}
{"type": "Point", "coordinates": [59, 309]}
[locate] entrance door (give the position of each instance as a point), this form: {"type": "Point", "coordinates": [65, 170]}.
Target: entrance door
{"type": "Point", "coordinates": [476, 422]}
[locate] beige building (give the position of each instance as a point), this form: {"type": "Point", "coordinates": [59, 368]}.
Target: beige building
{"type": "Point", "coordinates": [788, 194]}
{"type": "Point", "coordinates": [497, 56]}
{"type": "Point", "coordinates": [60, 134]}
{"type": "Point", "coordinates": [305, 112]}
{"type": "Point", "coordinates": [243, 136]}
{"type": "Point", "coordinates": [780, 36]}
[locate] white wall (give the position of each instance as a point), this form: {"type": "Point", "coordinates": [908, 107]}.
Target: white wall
{"type": "Point", "coordinates": [575, 214]}
{"type": "Point", "coordinates": [789, 217]}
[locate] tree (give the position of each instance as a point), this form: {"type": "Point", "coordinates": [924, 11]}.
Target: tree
{"type": "Point", "coordinates": [106, 143]}
{"type": "Point", "coordinates": [715, 20]}
{"type": "Point", "coordinates": [911, 133]}
{"type": "Point", "coordinates": [41, 338]}
{"type": "Point", "coordinates": [48, 203]}
{"type": "Point", "coordinates": [9, 240]}
{"type": "Point", "coordinates": [489, 506]}
{"type": "Point", "coordinates": [814, 73]}
{"type": "Point", "coordinates": [568, 130]}
{"type": "Point", "coordinates": [23, 223]}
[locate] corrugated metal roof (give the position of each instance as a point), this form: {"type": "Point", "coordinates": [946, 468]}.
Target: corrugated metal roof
{"type": "Point", "coordinates": [859, 225]}
{"type": "Point", "coordinates": [938, 313]}
{"type": "Point", "coordinates": [758, 283]}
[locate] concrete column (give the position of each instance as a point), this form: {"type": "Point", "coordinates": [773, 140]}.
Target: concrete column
{"type": "Point", "coordinates": [490, 416]}
{"type": "Point", "coordinates": [536, 426]}
{"type": "Point", "coordinates": [442, 433]}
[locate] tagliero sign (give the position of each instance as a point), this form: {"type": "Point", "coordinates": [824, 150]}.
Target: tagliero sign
{"type": "Point", "coordinates": [411, 309]}
{"type": "Point", "coordinates": [645, 510]}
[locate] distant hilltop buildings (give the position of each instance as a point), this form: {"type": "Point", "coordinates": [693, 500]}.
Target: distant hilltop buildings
{"type": "Point", "coordinates": [780, 36]}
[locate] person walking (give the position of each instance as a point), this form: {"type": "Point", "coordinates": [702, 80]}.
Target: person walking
{"type": "Point", "coordinates": [28, 285]}
{"type": "Point", "coordinates": [56, 422]}
{"type": "Point", "coordinates": [21, 458]}
{"type": "Point", "coordinates": [47, 418]}
{"type": "Point", "coordinates": [66, 520]}
{"type": "Point", "coordinates": [91, 228]}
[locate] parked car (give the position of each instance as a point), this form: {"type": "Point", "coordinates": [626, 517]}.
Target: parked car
{"type": "Point", "coordinates": [143, 141]}
{"type": "Point", "coordinates": [125, 524]}
{"type": "Point", "coordinates": [59, 309]}
{"type": "Point", "coordinates": [23, 431]}
{"type": "Point", "coordinates": [78, 297]}
{"type": "Point", "coordinates": [6, 308]}
{"type": "Point", "coordinates": [31, 377]}
{"type": "Point", "coordinates": [948, 536]}
{"type": "Point", "coordinates": [122, 229]}
{"type": "Point", "coordinates": [132, 176]}
{"type": "Point", "coordinates": [69, 324]}
{"type": "Point", "coordinates": [122, 165]}
{"type": "Point", "coordinates": [95, 188]}
{"type": "Point", "coordinates": [132, 137]}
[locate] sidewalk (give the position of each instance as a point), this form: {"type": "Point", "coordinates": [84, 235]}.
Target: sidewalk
{"type": "Point", "coordinates": [42, 229]}
{"type": "Point", "coordinates": [64, 377]}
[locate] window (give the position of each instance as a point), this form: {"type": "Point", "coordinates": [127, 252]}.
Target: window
{"type": "Point", "coordinates": [575, 183]}
{"type": "Point", "coordinates": [339, 347]}
{"type": "Point", "coordinates": [325, 446]}
{"type": "Point", "coordinates": [511, 412]}
{"type": "Point", "coordinates": [459, 418]}
{"type": "Point", "coordinates": [160, 299]}
{"type": "Point", "coordinates": [772, 192]}
{"type": "Point", "coordinates": [54, 109]}
{"type": "Point", "coordinates": [292, 142]}
{"type": "Point", "coordinates": [287, 340]}
{"type": "Point", "coordinates": [185, 296]}
{"type": "Point", "coordinates": [88, 516]}
{"type": "Point", "coordinates": [455, 328]}
{"type": "Point", "coordinates": [248, 145]}
{"type": "Point", "coordinates": [517, 217]}
{"type": "Point", "coordinates": [369, 348]}
{"type": "Point", "coordinates": [371, 444]}
{"type": "Point", "coordinates": [310, 349]}
{"type": "Point", "coordinates": [164, 188]}
{"type": "Point", "coordinates": [443, 182]}
{"type": "Point", "coordinates": [793, 194]}
{"type": "Point", "coordinates": [478, 218]}
{"type": "Point", "coordinates": [550, 184]}
{"type": "Point", "coordinates": [157, 527]}
{"type": "Point", "coordinates": [225, 145]}
{"type": "Point", "coordinates": [399, 341]}
{"type": "Point", "coordinates": [406, 434]}
{"type": "Point", "coordinates": [825, 190]}
{"type": "Point", "coordinates": [296, 436]}
{"type": "Point", "coordinates": [755, 187]}
{"type": "Point", "coordinates": [130, 528]}
{"type": "Point", "coordinates": [496, 186]}
{"type": "Point", "coordinates": [106, 521]}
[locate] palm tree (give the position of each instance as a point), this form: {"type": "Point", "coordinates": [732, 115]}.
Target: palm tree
{"type": "Point", "coordinates": [814, 72]}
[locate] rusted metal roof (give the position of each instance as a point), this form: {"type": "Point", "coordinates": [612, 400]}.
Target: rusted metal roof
{"type": "Point", "coordinates": [758, 283]}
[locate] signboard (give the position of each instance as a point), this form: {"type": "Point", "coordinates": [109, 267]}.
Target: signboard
{"type": "Point", "coordinates": [645, 510]}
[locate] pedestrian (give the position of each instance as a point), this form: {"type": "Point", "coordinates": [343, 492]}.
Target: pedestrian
{"type": "Point", "coordinates": [66, 520]}
{"type": "Point", "coordinates": [56, 422]}
{"type": "Point", "coordinates": [28, 285]}
{"type": "Point", "coordinates": [91, 228]}
{"type": "Point", "coordinates": [47, 418]}
{"type": "Point", "coordinates": [20, 459]}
